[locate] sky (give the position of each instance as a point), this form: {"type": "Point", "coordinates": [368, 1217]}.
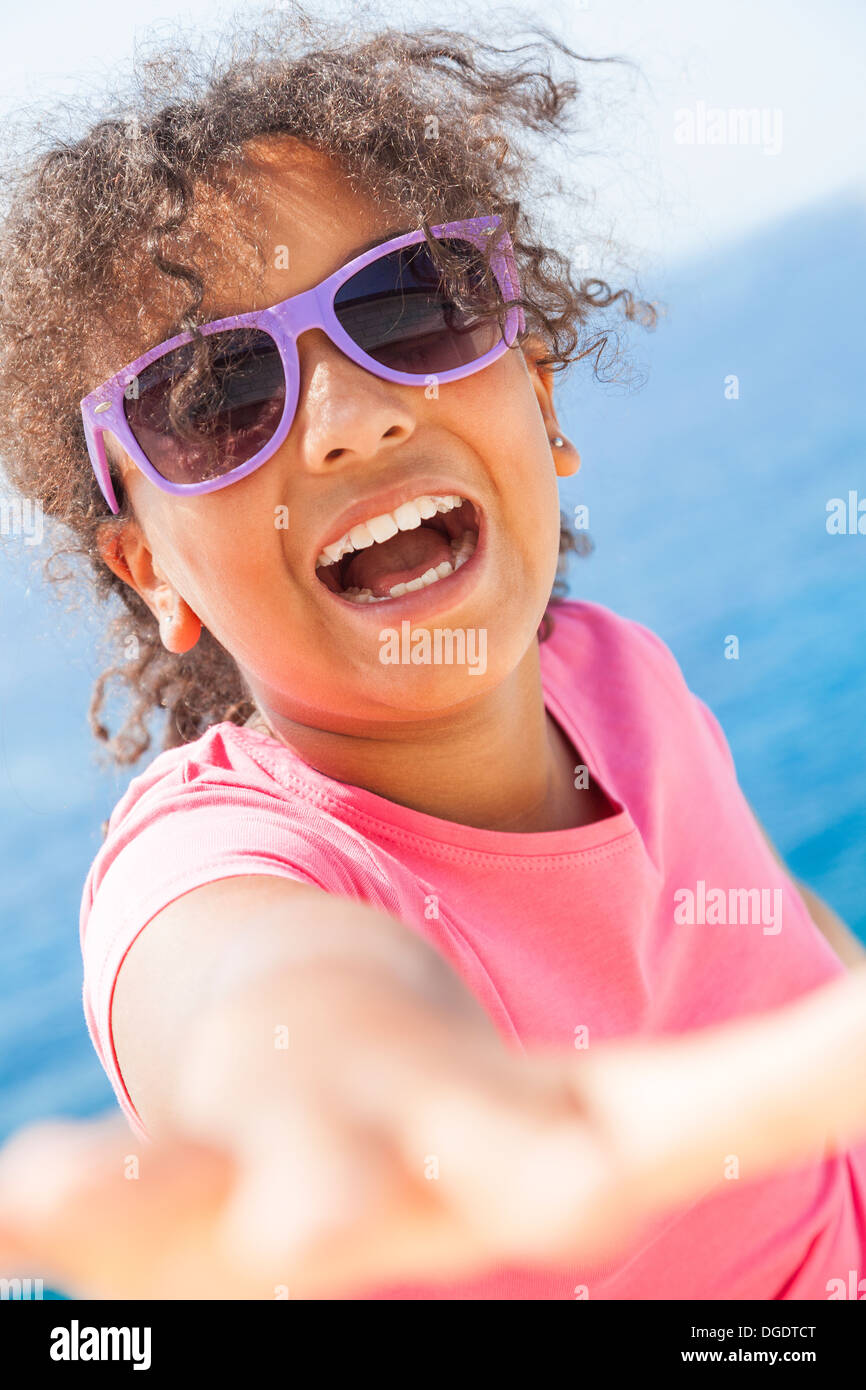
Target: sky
{"type": "Point", "coordinates": [676, 177]}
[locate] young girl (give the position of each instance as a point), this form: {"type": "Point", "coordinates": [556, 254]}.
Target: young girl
{"type": "Point", "coordinates": [421, 843]}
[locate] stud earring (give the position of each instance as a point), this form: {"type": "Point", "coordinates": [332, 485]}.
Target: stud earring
{"type": "Point", "coordinates": [557, 441]}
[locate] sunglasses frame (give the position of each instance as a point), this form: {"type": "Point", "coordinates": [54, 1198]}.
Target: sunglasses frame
{"type": "Point", "coordinates": [102, 410]}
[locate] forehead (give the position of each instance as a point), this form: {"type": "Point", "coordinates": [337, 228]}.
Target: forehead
{"type": "Point", "coordinates": [287, 217]}
{"type": "Point", "coordinates": [262, 229]}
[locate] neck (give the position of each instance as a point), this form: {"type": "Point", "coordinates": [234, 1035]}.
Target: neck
{"type": "Point", "coordinates": [500, 764]}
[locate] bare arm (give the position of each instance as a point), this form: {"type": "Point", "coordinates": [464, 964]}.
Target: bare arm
{"type": "Point", "coordinates": [216, 944]}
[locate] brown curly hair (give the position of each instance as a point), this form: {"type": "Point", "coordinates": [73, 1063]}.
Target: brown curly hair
{"type": "Point", "coordinates": [102, 221]}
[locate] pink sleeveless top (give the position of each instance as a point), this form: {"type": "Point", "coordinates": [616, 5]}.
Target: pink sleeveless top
{"type": "Point", "coordinates": [669, 915]}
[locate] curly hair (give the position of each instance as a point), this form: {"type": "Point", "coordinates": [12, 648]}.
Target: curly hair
{"type": "Point", "coordinates": [436, 120]}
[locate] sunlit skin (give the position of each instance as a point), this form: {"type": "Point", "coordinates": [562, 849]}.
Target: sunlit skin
{"type": "Point", "coordinates": [479, 749]}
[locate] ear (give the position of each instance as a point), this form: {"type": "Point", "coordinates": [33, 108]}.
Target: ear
{"type": "Point", "coordinates": [125, 551]}
{"type": "Point", "coordinates": [566, 457]}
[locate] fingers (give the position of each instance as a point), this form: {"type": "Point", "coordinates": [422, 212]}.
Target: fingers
{"type": "Point", "coordinates": [82, 1204]}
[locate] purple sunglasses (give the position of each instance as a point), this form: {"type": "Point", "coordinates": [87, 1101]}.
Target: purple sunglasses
{"type": "Point", "coordinates": [388, 310]}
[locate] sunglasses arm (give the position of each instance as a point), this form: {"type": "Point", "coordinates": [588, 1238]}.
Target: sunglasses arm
{"type": "Point", "coordinates": [95, 438]}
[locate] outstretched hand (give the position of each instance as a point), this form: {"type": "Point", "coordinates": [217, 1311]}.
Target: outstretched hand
{"type": "Point", "coordinates": [548, 1159]}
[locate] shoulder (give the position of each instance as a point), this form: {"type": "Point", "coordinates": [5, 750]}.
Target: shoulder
{"type": "Point", "coordinates": [221, 757]}
{"type": "Point", "coordinates": [229, 768]}
{"type": "Point", "coordinates": [589, 631]}
{"type": "Point", "coordinates": [625, 676]}
{"type": "Point", "coordinates": [210, 809]}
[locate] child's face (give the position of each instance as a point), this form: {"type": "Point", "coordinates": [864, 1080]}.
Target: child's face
{"type": "Point", "coordinates": [242, 560]}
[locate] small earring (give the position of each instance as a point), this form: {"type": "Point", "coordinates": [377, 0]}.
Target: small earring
{"type": "Point", "coordinates": [557, 441]}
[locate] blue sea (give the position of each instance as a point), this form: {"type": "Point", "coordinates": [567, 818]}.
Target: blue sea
{"type": "Point", "coordinates": [708, 517]}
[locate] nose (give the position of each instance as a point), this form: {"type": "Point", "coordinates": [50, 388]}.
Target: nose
{"type": "Point", "coordinates": [345, 415]}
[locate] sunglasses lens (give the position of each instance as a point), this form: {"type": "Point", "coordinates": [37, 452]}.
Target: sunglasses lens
{"type": "Point", "coordinates": [205, 409]}
{"type": "Point", "coordinates": [400, 312]}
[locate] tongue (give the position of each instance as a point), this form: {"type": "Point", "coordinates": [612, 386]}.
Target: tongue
{"type": "Point", "coordinates": [405, 556]}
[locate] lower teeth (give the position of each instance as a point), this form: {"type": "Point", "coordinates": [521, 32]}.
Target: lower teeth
{"type": "Point", "coordinates": [462, 549]}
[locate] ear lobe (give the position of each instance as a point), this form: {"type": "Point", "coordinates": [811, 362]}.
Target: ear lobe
{"type": "Point", "coordinates": [566, 459]}
{"type": "Point", "coordinates": [179, 627]}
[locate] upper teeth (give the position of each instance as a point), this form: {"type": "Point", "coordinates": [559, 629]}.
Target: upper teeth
{"type": "Point", "coordinates": [381, 528]}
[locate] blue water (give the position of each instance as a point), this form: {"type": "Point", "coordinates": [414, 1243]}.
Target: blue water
{"type": "Point", "coordinates": [708, 518]}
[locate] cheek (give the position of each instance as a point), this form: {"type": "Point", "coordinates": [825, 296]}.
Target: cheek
{"type": "Point", "coordinates": [517, 455]}
{"type": "Point", "coordinates": [497, 414]}
{"type": "Point", "coordinates": [221, 554]}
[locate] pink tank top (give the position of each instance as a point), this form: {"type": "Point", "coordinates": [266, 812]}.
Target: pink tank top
{"type": "Point", "coordinates": [670, 915]}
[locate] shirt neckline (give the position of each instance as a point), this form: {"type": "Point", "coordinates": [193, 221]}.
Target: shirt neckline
{"type": "Point", "coordinates": [361, 807]}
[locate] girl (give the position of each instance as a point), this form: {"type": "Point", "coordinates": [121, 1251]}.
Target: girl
{"type": "Point", "coordinates": [421, 842]}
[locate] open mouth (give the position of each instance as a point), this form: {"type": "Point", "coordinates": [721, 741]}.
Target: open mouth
{"type": "Point", "coordinates": [417, 545]}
